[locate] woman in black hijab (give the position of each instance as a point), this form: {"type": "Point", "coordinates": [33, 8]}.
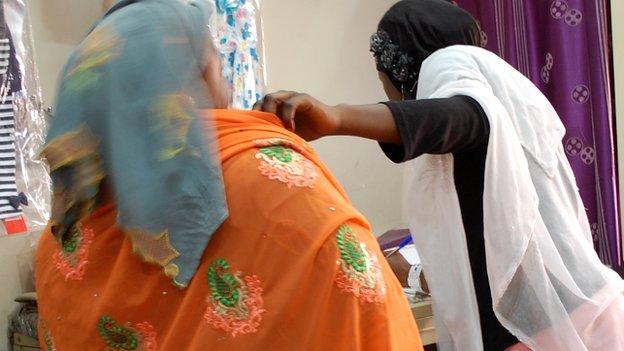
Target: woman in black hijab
{"type": "Point", "coordinates": [537, 294]}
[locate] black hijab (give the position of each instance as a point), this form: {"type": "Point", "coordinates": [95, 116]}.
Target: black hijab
{"type": "Point", "coordinates": [412, 30]}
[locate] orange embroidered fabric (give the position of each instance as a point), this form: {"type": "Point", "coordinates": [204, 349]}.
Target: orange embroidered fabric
{"type": "Point", "coordinates": [360, 273]}
{"type": "Point", "coordinates": [286, 286]}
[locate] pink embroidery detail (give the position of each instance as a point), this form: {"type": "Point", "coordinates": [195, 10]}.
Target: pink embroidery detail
{"type": "Point", "coordinates": [275, 172]}
{"type": "Point", "coordinates": [73, 265]}
{"type": "Point", "coordinates": [140, 337]}
{"type": "Point", "coordinates": [279, 161]}
{"type": "Point", "coordinates": [231, 320]}
{"type": "Point", "coordinates": [148, 336]}
{"type": "Point", "coordinates": [359, 272]}
{"type": "Point", "coordinates": [368, 288]}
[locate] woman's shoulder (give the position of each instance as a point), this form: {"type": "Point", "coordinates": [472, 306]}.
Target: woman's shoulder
{"type": "Point", "coordinates": [458, 59]}
{"type": "Point", "coordinates": [463, 58]}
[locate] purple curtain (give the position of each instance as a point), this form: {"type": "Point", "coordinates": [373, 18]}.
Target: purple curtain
{"type": "Point", "coordinates": [562, 46]}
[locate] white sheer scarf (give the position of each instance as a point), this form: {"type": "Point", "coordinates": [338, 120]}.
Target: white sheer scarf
{"type": "Point", "coordinates": [548, 286]}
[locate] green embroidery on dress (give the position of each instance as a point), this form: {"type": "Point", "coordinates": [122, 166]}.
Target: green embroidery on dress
{"type": "Point", "coordinates": [235, 303]}
{"type": "Point", "coordinates": [71, 244]}
{"type": "Point", "coordinates": [281, 153]}
{"type": "Point", "coordinates": [351, 249]}
{"type": "Point", "coordinates": [282, 163]}
{"type": "Point", "coordinates": [224, 286]}
{"type": "Point", "coordinates": [359, 272]}
{"type": "Point", "coordinates": [116, 336]}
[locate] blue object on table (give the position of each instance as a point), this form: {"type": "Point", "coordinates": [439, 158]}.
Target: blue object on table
{"type": "Point", "coordinates": [401, 245]}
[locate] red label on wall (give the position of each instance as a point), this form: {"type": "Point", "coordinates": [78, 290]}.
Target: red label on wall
{"type": "Point", "coordinates": [15, 225]}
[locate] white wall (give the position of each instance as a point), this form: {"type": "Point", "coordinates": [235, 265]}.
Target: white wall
{"type": "Point", "coordinates": [57, 26]}
{"type": "Point", "coordinates": [321, 47]}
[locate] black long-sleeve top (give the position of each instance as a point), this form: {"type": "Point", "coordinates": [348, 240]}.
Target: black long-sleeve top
{"type": "Point", "coordinates": [456, 125]}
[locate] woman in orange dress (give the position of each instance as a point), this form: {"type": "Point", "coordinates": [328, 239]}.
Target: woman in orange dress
{"type": "Point", "coordinates": [292, 267]}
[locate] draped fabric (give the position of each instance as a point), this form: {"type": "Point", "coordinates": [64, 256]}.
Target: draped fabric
{"type": "Point", "coordinates": [562, 46]}
{"type": "Point", "coordinates": [126, 116]}
{"type": "Point", "coordinates": [548, 286]}
{"type": "Point", "coordinates": [294, 267]}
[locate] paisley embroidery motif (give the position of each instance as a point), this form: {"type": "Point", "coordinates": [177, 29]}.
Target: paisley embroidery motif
{"type": "Point", "coordinates": [235, 303]}
{"type": "Point", "coordinates": [359, 272]}
{"type": "Point", "coordinates": [141, 337]}
{"type": "Point", "coordinates": [72, 258]}
{"type": "Point", "coordinates": [437, 171]}
{"type": "Point", "coordinates": [278, 161]}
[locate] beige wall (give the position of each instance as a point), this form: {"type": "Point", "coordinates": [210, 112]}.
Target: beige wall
{"type": "Point", "coordinates": [617, 13]}
{"type": "Point", "coordinates": [321, 47]}
{"type": "Point", "coordinates": [58, 25]}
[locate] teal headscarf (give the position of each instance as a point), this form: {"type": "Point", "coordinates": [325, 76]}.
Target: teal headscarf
{"type": "Point", "coordinates": [126, 118]}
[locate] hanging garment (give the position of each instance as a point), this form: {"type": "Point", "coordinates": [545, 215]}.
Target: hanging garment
{"type": "Point", "coordinates": [24, 176]}
{"type": "Point", "coordinates": [5, 55]}
{"type": "Point", "coordinates": [238, 38]}
{"type": "Point", "coordinates": [11, 201]}
{"type": "Point", "coordinates": [8, 188]}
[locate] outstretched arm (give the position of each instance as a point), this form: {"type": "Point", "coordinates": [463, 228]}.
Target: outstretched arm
{"type": "Point", "coordinates": [312, 119]}
{"type": "Point", "coordinates": [406, 129]}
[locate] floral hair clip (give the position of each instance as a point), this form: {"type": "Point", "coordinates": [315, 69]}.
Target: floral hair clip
{"type": "Point", "coordinates": [391, 60]}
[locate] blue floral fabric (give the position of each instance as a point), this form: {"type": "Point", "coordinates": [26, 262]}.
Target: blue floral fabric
{"type": "Point", "coordinates": [237, 37]}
